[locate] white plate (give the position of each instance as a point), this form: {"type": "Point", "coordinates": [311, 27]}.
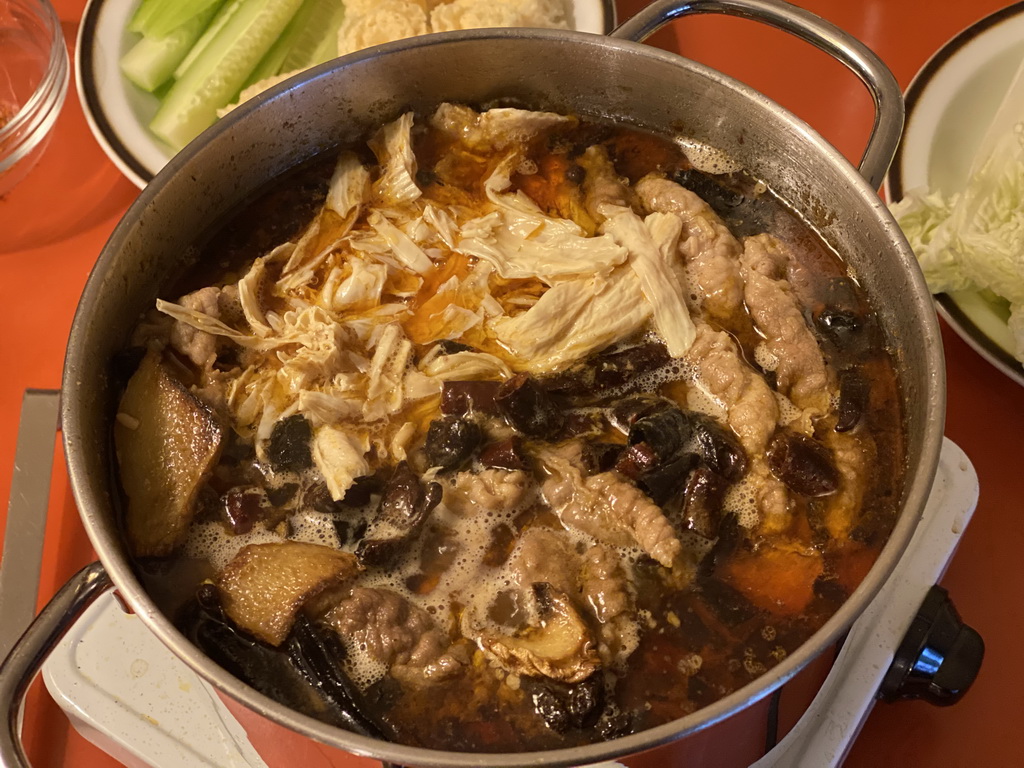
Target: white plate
{"type": "Point", "coordinates": [118, 111]}
{"type": "Point", "coordinates": [950, 103]}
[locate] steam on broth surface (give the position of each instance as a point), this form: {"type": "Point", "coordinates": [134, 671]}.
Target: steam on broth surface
{"type": "Point", "coordinates": [507, 432]}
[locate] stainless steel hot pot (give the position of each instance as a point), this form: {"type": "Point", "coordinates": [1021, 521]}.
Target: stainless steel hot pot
{"type": "Point", "coordinates": [608, 78]}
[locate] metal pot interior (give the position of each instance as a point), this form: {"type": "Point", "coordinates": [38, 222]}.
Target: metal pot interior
{"type": "Point", "coordinates": [340, 102]}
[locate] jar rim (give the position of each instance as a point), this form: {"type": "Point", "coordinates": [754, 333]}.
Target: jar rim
{"type": "Point", "coordinates": [35, 118]}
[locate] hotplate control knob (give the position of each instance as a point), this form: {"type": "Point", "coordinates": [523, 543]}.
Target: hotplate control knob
{"type": "Point", "coordinates": [939, 657]}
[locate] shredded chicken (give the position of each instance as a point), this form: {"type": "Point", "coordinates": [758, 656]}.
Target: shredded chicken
{"type": "Point", "coordinates": [202, 347]}
{"type": "Point", "coordinates": [197, 345]}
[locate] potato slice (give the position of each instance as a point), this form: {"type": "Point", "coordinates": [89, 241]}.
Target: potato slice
{"type": "Point", "coordinates": [265, 585]}
{"type": "Point", "coordinates": [166, 440]}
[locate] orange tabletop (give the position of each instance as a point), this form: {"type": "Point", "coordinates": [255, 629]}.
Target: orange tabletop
{"type": "Point", "coordinates": [55, 223]}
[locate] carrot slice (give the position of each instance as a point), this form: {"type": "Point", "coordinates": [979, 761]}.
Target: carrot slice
{"type": "Point", "coordinates": [777, 580]}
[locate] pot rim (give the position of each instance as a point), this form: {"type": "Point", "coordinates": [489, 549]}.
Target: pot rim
{"type": "Point", "coordinates": [118, 565]}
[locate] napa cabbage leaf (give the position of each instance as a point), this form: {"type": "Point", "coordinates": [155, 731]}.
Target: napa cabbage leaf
{"type": "Point", "coordinates": [973, 239]}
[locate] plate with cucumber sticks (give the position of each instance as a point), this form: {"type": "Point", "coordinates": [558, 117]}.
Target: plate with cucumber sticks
{"type": "Point", "coordinates": [153, 74]}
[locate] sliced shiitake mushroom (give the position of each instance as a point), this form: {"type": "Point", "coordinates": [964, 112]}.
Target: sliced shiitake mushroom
{"type": "Point", "coordinates": [668, 479]}
{"type": "Point", "coordinates": [592, 379]}
{"type": "Point", "coordinates": [802, 463]}
{"type": "Point", "coordinates": [559, 647]}
{"type": "Point", "coordinates": [566, 707]}
{"type": "Point", "coordinates": [404, 506]}
{"type": "Point", "coordinates": [504, 454]}
{"type": "Point", "coordinates": [451, 441]}
{"type": "Point", "coordinates": [242, 507]}
{"type": "Point", "coordinates": [462, 398]}
{"type": "Point", "coordinates": [665, 431]}
{"type": "Point", "coordinates": [719, 447]}
{"type": "Point", "coordinates": [528, 407]}
{"type": "Point", "coordinates": [701, 510]}
{"type": "Point", "coordinates": [290, 444]}
{"type": "Point", "coordinates": [854, 391]}
{"type": "Point", "coordinates": [626, 411]}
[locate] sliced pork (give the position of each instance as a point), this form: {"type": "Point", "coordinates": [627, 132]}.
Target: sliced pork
{"type": "Point", "coordinates": [390, 630]}
{"type": "Point", "coordinates": [489, 490]}
{"type": "Point", "coordinates": [751, 411]}
{"type": "Point", "coordinates": [607, 589]}
{"type": "Point", "coordinates": [709, 249]}
{"type": "Point", "coordinates": [609, 508]}
{"type": "Point", "coordinates": [797, 360]}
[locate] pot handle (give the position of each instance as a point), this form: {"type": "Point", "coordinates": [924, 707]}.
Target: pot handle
{"type": "Point", "coordinates": [28, 654]}
{"type": "Point", "coordinates": [857, 57]}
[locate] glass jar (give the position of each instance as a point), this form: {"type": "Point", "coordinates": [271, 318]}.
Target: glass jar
{"type": "Point", "coordinates": [33, 84]}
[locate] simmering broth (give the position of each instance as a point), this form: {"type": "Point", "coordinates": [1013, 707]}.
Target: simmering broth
{"type": "Point", "coordinates": [509, 432]}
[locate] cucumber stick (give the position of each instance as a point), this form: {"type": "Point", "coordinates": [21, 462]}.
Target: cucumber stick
{"type": "Point", "coordinates": [158, 18]}
{"type": "Point", "coordinates": [142, 15]}
{"type": "Point", "coordinates": [270, 64]}
{"type": "Point", "coordinates": [318, 39]}
{"type": "Point", "coordinates": [315, 23]}
{"type": "Point", "coordinates": [223, 16]}
{"type": "Point", "coordinates": [152, 60]}
{"type": "Point", "coordinates": [217, 75]}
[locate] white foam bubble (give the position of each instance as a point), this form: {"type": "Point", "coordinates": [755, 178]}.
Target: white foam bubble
{"type": "Point", "coordinates": [699, 399]}
{"type": "Point", "coordinates": [314, 528]}
{"type": "Point", "coordinates": [527, 167]}
{"type": "Point", "coordinates": [741, 501]}
{"type": "Point", "coordinates": [788, 412]}
{"type": "Point", "coordinates": [706, 158]}
{"type": "Point", "coordinates": [695, 543]}
{"type": "Point", "coordinates": [362, 669]}
{"type": "Point", "coordinates": [765, 358]}
{"type": "Point", "coordinates": [212, 541]}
